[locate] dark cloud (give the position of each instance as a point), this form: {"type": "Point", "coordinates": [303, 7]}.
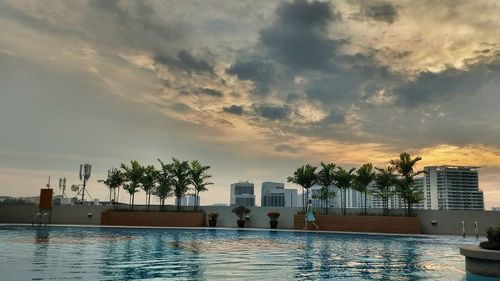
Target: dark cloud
{"type": "Point", "coordinates": [431, 87]}
{"type": "Point", "coordinates": [259, 71]}
{"type": "Point", "coordinates": [192, 63]}
{"type": "Point", "coordinates": [31, 21]}
{"type": "Point", "coordinates": [272, 112]}
{"type": "Point", "coordinates": [133, 23]}
{"type": "Point", "coordinates": [299, 38]}
{"type": "Point", "coordinates": [180, 107]}
{"type": "Point", "coordinates": [379, 11]}
{"type": "Point", "coordinates": [211, 92]}
{"type": "Point", "coordinates": [335, 89]}
{"type": "Point", "coordinates": [334, 117]}
{"type": "Point", "coordinates": [285, 147]}
{"type": "Point", "coordinates": [293, 97]}
{"type": "Point", "coordinates": [185, 61]}
{"type": "Point", "coordinates": [300, 13]}
{"type": "Point", "coordinates": [234, 109]}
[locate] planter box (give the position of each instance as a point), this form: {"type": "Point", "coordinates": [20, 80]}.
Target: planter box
{"type": "Point", "coordinates": [177, 219]}
{"type": "Point", "coordinates": [481, 261]}
{"type": "Point", "coordinates": [378, 224]}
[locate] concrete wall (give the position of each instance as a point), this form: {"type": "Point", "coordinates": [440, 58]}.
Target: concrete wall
{"type": "Point", "coordinates": [447, 222]}
{"type": "Point", "coordinates": [170, 219]}
{"type": "Point", "coordinates": [450, 222]}
{"type": "Point", "coordinates": [60, 214]}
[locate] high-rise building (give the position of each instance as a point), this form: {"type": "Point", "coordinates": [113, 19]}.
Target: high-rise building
{"type": "Point", "coordinates": [451, 188]}
{"type": "Point", "coordinates": [274, 194]}
{"type": "Point", "coordinates": [353, 198]}
{"type": "Point", "coordinates": [189, 200]}
{"type": "Point", "coordinates": [242, 194]}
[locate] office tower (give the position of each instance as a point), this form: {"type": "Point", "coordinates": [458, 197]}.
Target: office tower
{"type": "Point", "coordinates": [274, 194]}
{"type": "Point", "coordinates": [242, 193]}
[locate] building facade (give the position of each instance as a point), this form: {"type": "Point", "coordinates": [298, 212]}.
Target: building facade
{"type": "Point", "coordinates": [353, 198]}
{"type": "Point", "coordinates": [274, 194]}
{"type": "Point", "coordinates": [242, 194]}
{"type": "Point", "coordinates": [451, 188]}
{"type": "Point", "coordinates": [189, 200]}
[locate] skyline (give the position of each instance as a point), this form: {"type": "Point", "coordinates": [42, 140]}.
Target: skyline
{"type": "Point", "coordinates": [253, 89]}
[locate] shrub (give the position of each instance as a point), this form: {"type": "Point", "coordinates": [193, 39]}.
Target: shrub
{"type": "Point", "coordinates": [273, 215]}
{"type": "Point", "coordinates": [493, 243]}
{"type": "Point", "coordinates": [241, 211]}
{"type": "Point", "coordinates": [213, 215]}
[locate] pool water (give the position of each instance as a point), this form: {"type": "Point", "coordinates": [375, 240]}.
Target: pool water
{"type": "Point", "coordinates": [95, 253]}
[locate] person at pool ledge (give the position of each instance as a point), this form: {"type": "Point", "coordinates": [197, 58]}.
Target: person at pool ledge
{"type": "Point", "coordinates": [309, 218]}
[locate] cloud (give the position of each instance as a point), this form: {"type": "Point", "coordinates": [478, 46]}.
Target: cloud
{"type": "Point", "coordinates": [431, 87]}
{"type": "Point", "coordinates": [180, 107]}
{"type": "Point", "coordinates": [335, 89]}
{"type": "Point", "coordinates": [211, 92]}
{"type": "Point", "coordinates": [272, 112]}
{"type": "Point", "coordinates": [185, 61]}
{"type": "Point", "coordinates": [285, 148]}
{"type": "Point", "coordinates": [334, 117]}
{"type": "Point", "coordinates": [299, 36]}
{"type": "Point", "coordinates": [234, 109]}
{"type": "Point", "coordinates": [259, 71]}
{"type": "Point", "coordinates": [379, 11]}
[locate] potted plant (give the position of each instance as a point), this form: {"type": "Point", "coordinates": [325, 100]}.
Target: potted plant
{"type": "Point", "coordinates": [493, 243]}
{"type": "Point", "coordinates": [212, 219]}
{"type": "Point", "coordinates": [273, 218]}
{"type": "Point", "coordinates": [241, 212]}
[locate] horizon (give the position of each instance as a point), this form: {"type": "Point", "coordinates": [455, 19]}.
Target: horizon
{"type": "Point", "coordinates": [252, 89]}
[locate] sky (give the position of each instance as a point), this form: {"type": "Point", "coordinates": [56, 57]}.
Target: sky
{"type": "Point", "coordinates": [253, 89]}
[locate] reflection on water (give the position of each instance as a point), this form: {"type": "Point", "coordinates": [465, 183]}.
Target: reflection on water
{"type": "Point", "coordinates": [42, 235]}
{"type": "Point", "coordinates": [126, 254]}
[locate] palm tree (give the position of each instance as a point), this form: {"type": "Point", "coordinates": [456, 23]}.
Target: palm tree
{"type": "Point", "coordinates": [363, 178]}
{"type": "Point", "coordinates": [344, 179]}
{"type": "Point", "coordinates": [405, 184]}
{"type": "Point", "coordinates": [165, 184]}
{"type": "Point", "coordinates": [132, 176]}
{"type": "Point", "coordinates": [384, 180]}
{"type": "Point", "coordinates": [198, 177]}
{"type": "Point", "coordinates": [324, 195]}
{"type": "Point", "coordinates": [305, 177]}
{"type": "Point", "coordinates": [326, 180]}
{"type": "Point", "coordinates": [148, 182]}
{"type": "Point", "coordinates": [180, 175]}
{"type": "Point", "coordinates": [113, 182]}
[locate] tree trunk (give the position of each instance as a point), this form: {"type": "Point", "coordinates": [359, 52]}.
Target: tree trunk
{"type": "Point", "coordinates": [327, 200]}
{"type": "Point", "coordinates": [366, 193]}
{"type": "Point", "coordinates": [303, 200]}
{"type": "Point", "coordinates": [341, 202]}
{"type": "Point", "coordinates": [195, 200]}
{"type": "Point", "coordinates": [133, 198]}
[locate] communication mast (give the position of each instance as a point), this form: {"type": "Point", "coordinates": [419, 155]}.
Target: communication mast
{"type": "Point", "coordinates": [84, 176]}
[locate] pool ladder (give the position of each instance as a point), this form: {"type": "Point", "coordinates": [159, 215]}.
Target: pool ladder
{"type": "Point", "coordinates": [41, 218]}
{"type": "Point", "coordinates": [476, 229]}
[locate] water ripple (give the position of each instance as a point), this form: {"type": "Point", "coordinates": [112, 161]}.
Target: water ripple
{"type": "Point", "coordinates": [126, 254]}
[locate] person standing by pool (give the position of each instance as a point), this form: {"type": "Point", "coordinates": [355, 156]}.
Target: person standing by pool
{"type": "Point", "coordinates": [310, 215]}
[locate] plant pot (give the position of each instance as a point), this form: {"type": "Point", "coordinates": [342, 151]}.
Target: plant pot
{"type": "Point", "coordinates": [241, 223]}
{"type": "Point", "coordinates": [212, 223]}
{"type": "Point", "coordinates": [273, 224]}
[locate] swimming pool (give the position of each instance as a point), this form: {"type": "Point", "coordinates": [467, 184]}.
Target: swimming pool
{"type": "Point", "coordinates": [96, 253]}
